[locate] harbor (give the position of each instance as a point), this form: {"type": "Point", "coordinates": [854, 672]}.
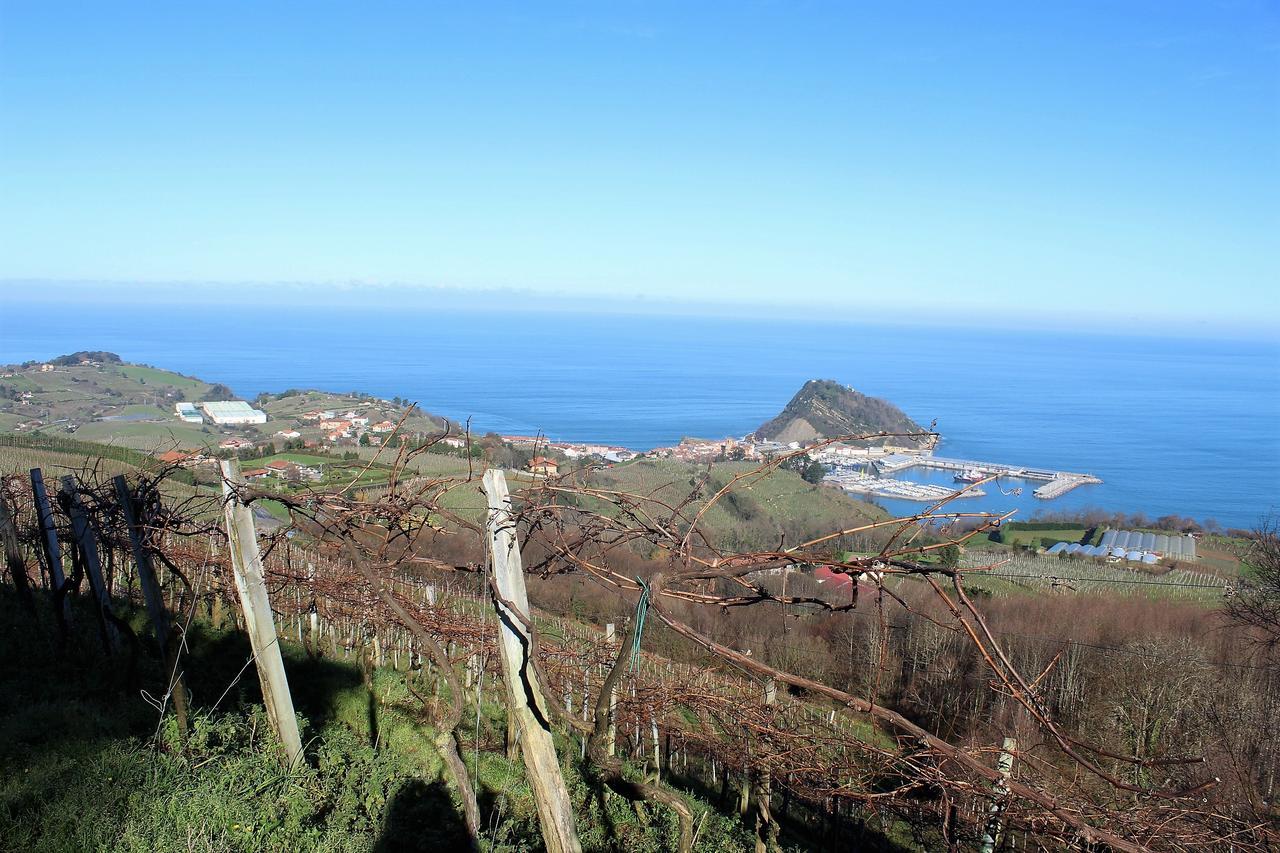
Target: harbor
{"type": "Point", "coordinates": [1056, 483]}
{"type": "Point", "coordinates": [861, 483]}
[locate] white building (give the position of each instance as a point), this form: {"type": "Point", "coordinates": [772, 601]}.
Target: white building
{"type": "Point", "coordinates": [187, 412]}
{"type": "Point", "coordinates": [233, 412]}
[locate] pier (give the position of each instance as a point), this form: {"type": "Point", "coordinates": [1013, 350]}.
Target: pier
{"type": "Point", "coordinates": [1062, 484]}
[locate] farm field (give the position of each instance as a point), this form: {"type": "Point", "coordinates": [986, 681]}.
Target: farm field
{"type": "Point", "coordinates": [16, 460]}
{"type": "Point", "coordinates": [1021, 574]}
{"type": "Point", "coordinates": [150, 437]}
{"type": "Point", "coordinates": [297, 458]}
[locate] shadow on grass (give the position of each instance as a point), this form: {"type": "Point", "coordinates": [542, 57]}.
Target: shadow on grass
{"type": "Point", "coordinates": [421, 816]}
{"type": "Point", "coordinates": [222, 678]}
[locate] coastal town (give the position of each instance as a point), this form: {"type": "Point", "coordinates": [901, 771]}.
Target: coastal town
{"type": "Point", "coordinates": [857, 467]}
{"type": "Point", "coordinates": [186, 422]}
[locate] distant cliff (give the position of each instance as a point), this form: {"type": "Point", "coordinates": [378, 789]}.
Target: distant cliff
{"type": "Point", "coordinates": [826, 409]}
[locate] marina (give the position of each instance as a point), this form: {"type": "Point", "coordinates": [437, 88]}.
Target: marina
{"type": "Point", "coordinates": [1056, 483]}
{"type": "Point", "coordinates": [885, 487]}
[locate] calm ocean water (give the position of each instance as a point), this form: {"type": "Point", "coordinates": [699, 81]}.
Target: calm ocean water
{"type": "Point", "coordinates": [1173, 426]}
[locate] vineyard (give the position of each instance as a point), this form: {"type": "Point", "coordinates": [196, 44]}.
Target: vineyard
{"type": "Point", "coordinates": [711, 745]}
{"type": "Point", "coordinates": [1093, 576]}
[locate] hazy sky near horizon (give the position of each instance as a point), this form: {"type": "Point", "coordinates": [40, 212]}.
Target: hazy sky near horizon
{"type": "Point", "coordinates": [1112, 159]}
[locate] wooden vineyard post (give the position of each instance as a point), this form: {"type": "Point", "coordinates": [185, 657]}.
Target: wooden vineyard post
{"type": "Point", "coordinates": [146, 572]}
{"type": "Point", "coordinates": [246, 565]}
{"type": "Point", "coordinates": [766, 826]}
{"type": "Point", "coordinates": [13, 558]}
{"type": "Point", "coordinates": [612, 743]}
{"type": "Point", "coordinates": [991, 833]}
{"type": "Point", "coordinates": [154, 598]}
{"type": "Point", "coordinates": [49, 544]}
{"type": "Point", "coordinates": [88, 545]}
{"type": "Point", "coordinates": [555, 811]}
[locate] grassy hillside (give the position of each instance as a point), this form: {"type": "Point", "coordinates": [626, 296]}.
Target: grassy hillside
{"type": "Point", "coordinates": [132, 405]}
{"type": "Point", "coordinates": [781, 504]}
{"type": "Point", "coordinates": [124, 404]}
{"type": "Point", "coordinates": [779, 507]}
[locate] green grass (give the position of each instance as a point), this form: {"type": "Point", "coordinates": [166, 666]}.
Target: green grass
{"type": "Point", "coordinates": [86, 763]}
{"type": "Point", "coordinates": [144, 409]}
{"type": "Point", "coordinates": [276, 508]}
{"type": "Point", "coordinates": [85, 768]}
{"type": "Point", "coordinates": [21, 383]}
{"type": "Point", "coordinates": [984, 542]}
{"type": "Point", "coordinates": [154, 376]}
{"type": "Point", "coordinates": [1013, 536]}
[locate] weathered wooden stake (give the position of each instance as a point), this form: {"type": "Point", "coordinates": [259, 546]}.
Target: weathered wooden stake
{"type": "Point", "coordinates": [524, 694]}
{"type": "Point", "coordinates": [613, 720]}
{"type": "Point", "coordinates": [1001, 789]}
{"type": "Point", "coordinates": [766, 826]}
{"type": "Point", "coordinates": [657, 750]}
{"type": "Point", "coordinates": [88, 545]}
{"type": "Point", "coordinates": [246, 564]}
{"type": "Point", "coordinates": [146, 572]}
{"type": "Point", "coordinates": [13, 558]}
{"type": "Point", "coordinates": [154, 598]}
{"type": "Point", "coordinates": [49, 542]}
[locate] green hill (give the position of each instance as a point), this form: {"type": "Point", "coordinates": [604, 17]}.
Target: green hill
{"type": "Point", "coordinates": [99, 397]}
{"type": "Point", "coordinates": [824, 408]}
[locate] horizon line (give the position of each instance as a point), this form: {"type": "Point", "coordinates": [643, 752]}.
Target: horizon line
{"type": "Point", "coordinates": [390, 294]}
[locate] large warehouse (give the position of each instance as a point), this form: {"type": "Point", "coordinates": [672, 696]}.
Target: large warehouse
{"type": "Point", "coordinates": [231, 412]}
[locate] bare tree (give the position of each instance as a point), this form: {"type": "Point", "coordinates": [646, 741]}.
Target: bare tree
{"type": "Point", "coordinates": [1257, 599]}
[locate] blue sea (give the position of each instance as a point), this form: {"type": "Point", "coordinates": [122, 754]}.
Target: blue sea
{"type": "Point", "coordinates": [1185, 426]}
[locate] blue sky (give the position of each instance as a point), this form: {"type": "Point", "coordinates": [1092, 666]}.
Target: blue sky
{"type": "Point", "coordinates": [1093, 161]}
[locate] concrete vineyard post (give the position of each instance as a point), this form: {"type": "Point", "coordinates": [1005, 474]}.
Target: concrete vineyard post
{"type": "Point", "coordinates": [555, 810]}
{"type": "Point", "coordinates": [246, 564]}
